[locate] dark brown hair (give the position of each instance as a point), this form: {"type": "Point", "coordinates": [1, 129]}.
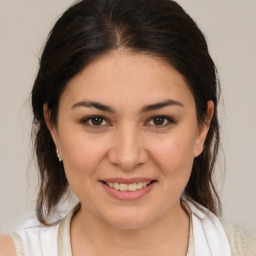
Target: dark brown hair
{"type": "Point", "coordinates": [91, 28]}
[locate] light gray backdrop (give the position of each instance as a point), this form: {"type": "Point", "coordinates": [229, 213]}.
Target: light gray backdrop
{"type": "Point", "coordinates": [229, 26]}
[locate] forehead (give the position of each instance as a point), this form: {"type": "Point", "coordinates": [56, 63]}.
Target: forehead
{"type": "Point", "coordinates": [124, 78]}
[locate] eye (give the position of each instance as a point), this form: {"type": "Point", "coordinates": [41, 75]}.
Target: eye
{"type": "Point", "coordinates": [95, 121]}
{"type": "Point", "coordinates": [160, 121]}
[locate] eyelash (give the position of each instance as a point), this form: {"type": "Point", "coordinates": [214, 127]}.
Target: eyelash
{"type": "Point", "coordinates": [168, 119]}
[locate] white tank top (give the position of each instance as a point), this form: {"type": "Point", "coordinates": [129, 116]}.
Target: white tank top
{"type": "Point", "coordinates": [34, 239]}
{"type": "Point", "coordinates": [207, 236]}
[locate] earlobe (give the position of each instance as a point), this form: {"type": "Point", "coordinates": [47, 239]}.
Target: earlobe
{"type": "Point", "coordinates": [203, 129]}
{"type": "Point", "coordinates": [50, 126]}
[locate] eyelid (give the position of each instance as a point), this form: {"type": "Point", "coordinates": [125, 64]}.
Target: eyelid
{"type": "Point", "coordinates": [170, 120]}
{"type": "Point", "coordinates": [86, 119]}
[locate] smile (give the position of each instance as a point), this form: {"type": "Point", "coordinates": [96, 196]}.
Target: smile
{"type": "Point", "coordinates": [128, 187]}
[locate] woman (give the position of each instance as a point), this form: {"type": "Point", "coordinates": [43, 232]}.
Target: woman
{"type": "Point", "coordinates": [125, 114]}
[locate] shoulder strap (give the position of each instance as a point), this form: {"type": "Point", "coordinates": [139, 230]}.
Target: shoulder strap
{"type": "Point", "coordinates": [18, 244]}
{"type": "Point", "coordinates": [64, 244]}
{"type": "Point", "coordinates": [209, 236]}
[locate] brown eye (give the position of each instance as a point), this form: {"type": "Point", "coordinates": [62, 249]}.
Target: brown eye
{"type": "Point", "coordinates": [158, 120]}
{"type": "Point", "coordinates": [96, 121]}
{"type": "Point", "coordinates": [161, 121]}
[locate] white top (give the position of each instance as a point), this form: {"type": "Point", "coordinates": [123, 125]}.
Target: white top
{"type": "Point", "coordinates": [36, 240]}
{"type": "Point", "coordinates": [207, 237]}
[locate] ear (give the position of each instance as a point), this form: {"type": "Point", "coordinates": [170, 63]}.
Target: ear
{"type": "Point", "coordinates": [203, 129]}
{"type": "Point", "coordinates": [50, 126]}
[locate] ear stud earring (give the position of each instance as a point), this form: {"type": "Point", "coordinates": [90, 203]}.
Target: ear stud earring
{"type": "Point", "coordinates": [59, 158]}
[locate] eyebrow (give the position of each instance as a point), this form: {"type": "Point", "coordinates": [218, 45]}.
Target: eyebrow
{"type": "Point", "coordinates": [93, 104]}
{"type": "Point", "coordinates": [159, 105]}
{"type": "Point", "coordinates": [147, 108]}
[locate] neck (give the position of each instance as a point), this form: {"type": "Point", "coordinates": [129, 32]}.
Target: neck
{"type": "Point", "coordinates": [166, 236]}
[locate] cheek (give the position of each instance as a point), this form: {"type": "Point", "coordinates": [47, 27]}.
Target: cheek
{"type": "Point", "coordinates": [174, 156]}
{"type": "Point", "coordinates": [175, 160]}
{"type": "Point", "coordinates": [81, 157]}
{"type": "Point", "coordinates": [82, 154]}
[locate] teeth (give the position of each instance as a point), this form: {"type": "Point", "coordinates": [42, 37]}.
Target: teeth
{"type": "Point", "coordinates": [116, 186]}
{"type": "Point", "coordinates": [128, 187]}
{"type": "Point", "coordinates": [123, 187]}
{"type": "Point", "coordinates": [139, 185]}
{"type": "Point", "coordinates": [132, 187]}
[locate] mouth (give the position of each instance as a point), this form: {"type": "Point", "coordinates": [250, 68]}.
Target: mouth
{"type": "Point", "coordinates": [128, 189]}
{"type": "Point", "coordinates": [132, 187]}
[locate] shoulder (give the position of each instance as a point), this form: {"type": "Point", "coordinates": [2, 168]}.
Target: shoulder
{"type": "Point", "coordinates": [38, 240]}
{"type": "Point", "coordinates": [7, 246]}
{"type": "Point", "coordinates": [241, 242]}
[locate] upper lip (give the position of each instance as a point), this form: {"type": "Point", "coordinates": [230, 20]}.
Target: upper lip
{"type": "Point", "coordinates": [127, 180]}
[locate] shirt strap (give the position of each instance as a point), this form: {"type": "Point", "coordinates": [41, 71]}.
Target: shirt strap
{"type": "Point", "coordinates": [18, 244]}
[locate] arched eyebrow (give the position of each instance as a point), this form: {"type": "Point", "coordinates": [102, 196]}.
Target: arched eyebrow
{"type": "Point", "coordinates": [93, 104]}
{"type": "Point", "coordinates": [147, 108]}
{"type": "Point", "coordinates": [162, 104]}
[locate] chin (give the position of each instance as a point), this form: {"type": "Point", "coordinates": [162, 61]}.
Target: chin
{"type": "Point", "coordinates": [128, 220]}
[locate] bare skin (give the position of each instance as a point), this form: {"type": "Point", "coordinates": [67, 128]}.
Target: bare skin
{"type": "Point", "coordinates": [128, 116]}
{"type": "Point", "coordinates": [168, 238]}
{"type": "Point", "coordinates": [127, 140]}
{"type": "Point", "coordinates": [6, 246]}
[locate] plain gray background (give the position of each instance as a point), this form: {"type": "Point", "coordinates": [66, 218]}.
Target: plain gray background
{"type": "Point", "coordinates": [229, 26]}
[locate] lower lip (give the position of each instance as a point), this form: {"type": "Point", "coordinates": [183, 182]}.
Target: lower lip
{"type": "Point", "coordinates": [128, 195]}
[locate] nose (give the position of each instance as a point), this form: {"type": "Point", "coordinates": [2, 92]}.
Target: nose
{"type": "Point", "coordinates": [127, 149]}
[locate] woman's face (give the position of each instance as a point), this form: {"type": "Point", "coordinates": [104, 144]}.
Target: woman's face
{"type": "Point", "coordinates": [127, 132]}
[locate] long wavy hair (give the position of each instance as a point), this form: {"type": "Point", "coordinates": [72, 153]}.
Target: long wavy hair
{"type": "Point", "coordinates": [91, 28]}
